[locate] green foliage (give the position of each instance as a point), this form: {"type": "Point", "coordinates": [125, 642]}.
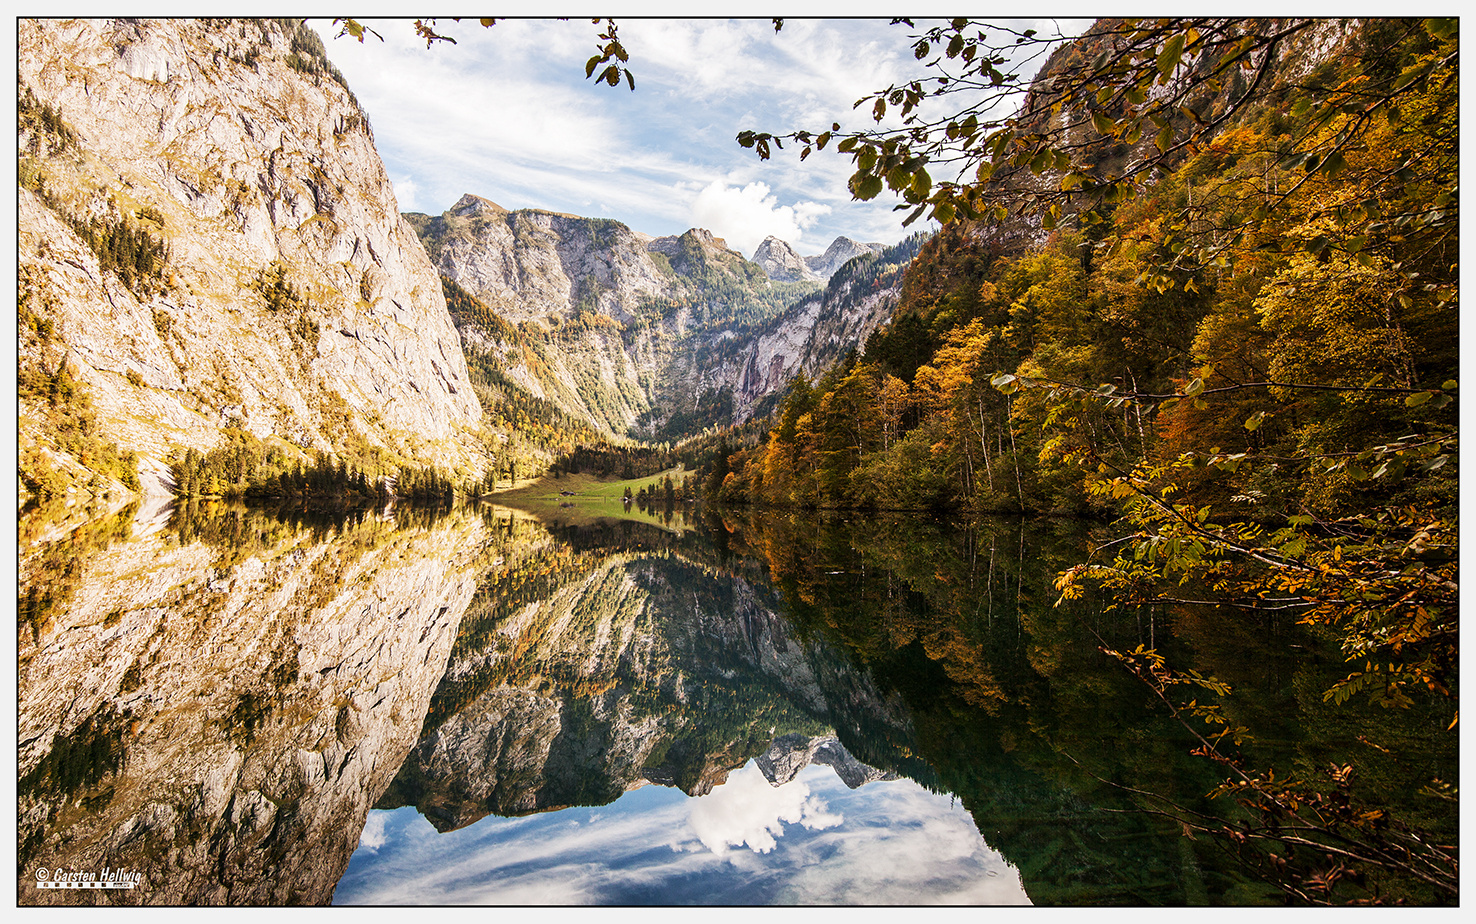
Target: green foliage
{"type": "Point", "coordinates": [628, 461]}
{"type": "Point", "coordinates": [537, 426]}
{"type": "Point", "coordinates": [309, 57]}
{"type": "Point", "coordinates": [130, 252]}
{"type": "Point", "coordinates": [242, 466]}
{"type": "Point", "coordinates": [69, 425]}
{"type": "Point", "coordinates": [1111, 111]}
{"type": "Point", "coordinates": [79, 760]}
{"type": "Point", "coordinates": [273, 285]}
{"type": "Point", "coordinates": [466, 308]}
{"type": "Point", "coordinates": [425, 484]}
{"type": "Point", "coordinates": [50, 135]}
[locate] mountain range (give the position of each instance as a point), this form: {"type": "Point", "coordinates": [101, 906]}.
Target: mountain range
{"type": "Point", "coordinates": [630, 333]}
{"type": "Point", "coordinates": [286, 297]}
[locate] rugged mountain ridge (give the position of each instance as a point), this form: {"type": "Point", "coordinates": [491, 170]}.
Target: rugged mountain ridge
{"type": "Point", "coordinates": [783, 262]}
{"type": "Point", "coordinates": [743, 373]}
{"type": "Point", "coordinates": [841, 251]}
{"type": "Point", "coordinates": [640, 335]}
{"type": "Point", "coordinates": [643, 669]}
{"type": "Point", "coordinates": [602, 321]}
{"type": "Point", "coordinates": [294, 302]}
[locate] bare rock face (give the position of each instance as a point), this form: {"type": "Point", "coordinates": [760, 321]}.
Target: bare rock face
{"type": "Point", "coordinates": [789, 754]}
{"type": "Point", "coordinates": [841, 251]}
{"type": "Point", "coordinates": [294, 302]}
{"type": "Point", "coordinates": [782, 262]}
{"type": "Point", "coordinates": [220, 718]}
{"type": "Point", "coordinates": [590, 313]}
{"type": "Point", "coordinates": [807, 338]}
{"type": "Point", "coordinates": [532, 264]}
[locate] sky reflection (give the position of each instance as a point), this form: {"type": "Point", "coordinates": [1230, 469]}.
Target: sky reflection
{"type": "Point", "coordinates": [810, 841]}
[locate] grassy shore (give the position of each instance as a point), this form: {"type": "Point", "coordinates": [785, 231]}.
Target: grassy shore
{"type": "Point", "coordinates": [582, 499]}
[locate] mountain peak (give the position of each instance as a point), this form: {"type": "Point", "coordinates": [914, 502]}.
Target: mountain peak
{"type": "Point", "coordinates": [470, 204]}
{"type": "Point", "coordinates": [710, 239]}
{"type": "Point", "coordinates": [782, 262]}
{"type": "Point", "coordinates": [841, 251]}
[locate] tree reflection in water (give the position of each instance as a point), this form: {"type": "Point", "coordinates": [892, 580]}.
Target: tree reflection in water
{"type": "Point", "coordinates": [244, 685]}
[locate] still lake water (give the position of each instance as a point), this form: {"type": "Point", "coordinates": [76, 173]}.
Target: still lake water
{"type": "Point", "coordinates": [474, 706]}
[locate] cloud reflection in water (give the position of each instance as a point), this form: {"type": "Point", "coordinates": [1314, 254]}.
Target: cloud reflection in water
{"type": "Point", "coordinates": [810, 841]}
{"type": "Point", "coordinates": [748, 810]}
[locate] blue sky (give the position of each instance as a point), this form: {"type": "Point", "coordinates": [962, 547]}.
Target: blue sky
{"type": "Point", "coordinates": [810, 840]}
{"type": "Point", "coordinates": [506, 113]}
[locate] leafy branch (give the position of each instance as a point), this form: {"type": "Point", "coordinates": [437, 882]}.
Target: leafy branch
{"type": "Point", "coordinates": [612, 53]}
{"type": "Point", "coordinates": [1317, 837]}
{"type": "Point", "coordinates": [1089, 133]}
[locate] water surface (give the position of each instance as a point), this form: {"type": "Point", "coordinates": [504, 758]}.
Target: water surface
{"type": "Point", "coordinates": [475, 706]}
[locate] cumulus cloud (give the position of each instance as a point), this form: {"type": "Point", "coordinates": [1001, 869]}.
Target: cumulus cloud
{"type": "Point", "coordinates": [748, 811]}
{"type": "Point", "coordinates": [744, 216]}
{"type": "Point", "coordinates": [906, 844]}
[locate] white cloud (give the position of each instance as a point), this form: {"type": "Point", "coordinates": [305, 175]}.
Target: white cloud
{"type": "Point", "coordinates": [405, 190]}
{"type": "Point", "coordinates": [744, 216]}
{"type": "Point", "coordinates": [748, 811]}
{"type": "Point", "coordinates": [908, 843]}
{"type": "Point", "coordinates": [373, 837]}
{"type": "Point", "coordinates": [712, 55]}
{"type": "Point", "coordinates": [899, 844]}
{"type": "Point", "coordinates": [507, 114]}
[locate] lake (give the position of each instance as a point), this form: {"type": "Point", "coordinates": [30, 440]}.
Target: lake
{"type": "Point", "coordinates": [244, 706]}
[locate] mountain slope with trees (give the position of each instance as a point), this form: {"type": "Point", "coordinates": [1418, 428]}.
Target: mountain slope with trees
{"type": "Point", "coordinates": [1235, 335]}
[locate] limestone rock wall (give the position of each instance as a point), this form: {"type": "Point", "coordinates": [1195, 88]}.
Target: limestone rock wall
{"type": "Point", "coordinates": [841, 251]}
{"type": "Point", "coordinates": [781, 261]}
{"type": "Point", "coordinates": [232, 143]}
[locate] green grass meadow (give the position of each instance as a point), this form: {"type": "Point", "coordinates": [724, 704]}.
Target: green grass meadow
{"type": "Point", "coordinates": [582, 499]}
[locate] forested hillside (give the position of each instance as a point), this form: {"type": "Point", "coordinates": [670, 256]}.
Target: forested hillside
{"type": "Point", "coordinates": [1251, 357]}
{"type": "Point", "coordinates": [1204, 286]}
{"type": "Point", "coordinates": [1321, 320]}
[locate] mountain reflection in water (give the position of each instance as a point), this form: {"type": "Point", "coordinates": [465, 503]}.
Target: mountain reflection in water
{"type": "Point", "coordinates": [473, 706]}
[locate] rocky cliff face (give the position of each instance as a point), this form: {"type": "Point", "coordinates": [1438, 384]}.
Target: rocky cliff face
{"type": "Point", "coordinates": [542, 267]}
{"type": "Point", "coordinates": [789, 754]}
{"type": "Point", "coordinates": [588, 313]}
{"type": "Point", "coordinates": [754, 367]}
{"type": "Point", "coordinates": [294, 300]}
{"type": "Point", "coordinates": [653, 337]}
{"type": "Point", "coordinates": [841, 251]}
{"type": "Point", "coordinates": [782, 262]}
{"type": "Point", "coordinates": [220, 717]}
